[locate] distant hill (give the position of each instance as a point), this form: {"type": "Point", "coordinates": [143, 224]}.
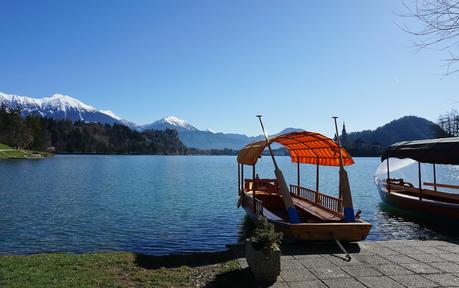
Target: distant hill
{"type": "Point", "coordinates": [372, 142]}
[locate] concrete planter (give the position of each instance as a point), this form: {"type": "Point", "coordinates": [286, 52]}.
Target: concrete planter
{"type": "Point", "coordinates": [265, 264]}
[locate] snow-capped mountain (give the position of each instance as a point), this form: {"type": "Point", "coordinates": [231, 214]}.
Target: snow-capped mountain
{"type": "Point", "coordinates": [204, 139]}
{"type": "Point", "coordinates": [59, 106]}
{"type": "Point", "coordinates": [111, 114]}
{"type": "Point", "coordinates": [170, 122]}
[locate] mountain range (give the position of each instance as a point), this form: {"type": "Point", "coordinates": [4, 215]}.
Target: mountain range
{"type": "Point", "coordinates": [60, 106]}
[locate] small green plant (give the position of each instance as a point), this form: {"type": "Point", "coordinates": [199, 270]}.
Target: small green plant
{"type": "Point", "coordinates": [264, 236]}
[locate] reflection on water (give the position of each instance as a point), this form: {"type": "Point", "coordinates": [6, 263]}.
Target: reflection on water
{"type": "Point", "coordinates": [396, 223]}
{"type": "Point", "coordinates": [159, 204]}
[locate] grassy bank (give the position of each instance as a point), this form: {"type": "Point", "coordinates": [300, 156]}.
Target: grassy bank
{"type": "Point", "coordinates": [7, 152]}
{"type": "Point", "coordinates": [121, 270]}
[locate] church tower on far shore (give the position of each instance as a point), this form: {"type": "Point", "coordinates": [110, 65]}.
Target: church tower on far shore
{"type": "Point", "coordinates": [344, 139]}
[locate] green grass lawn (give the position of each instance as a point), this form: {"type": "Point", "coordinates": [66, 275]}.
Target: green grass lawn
{"type": "Point", "coordinates": [113, 269]}
{"type": "Point", "coordinates": [18, 154]}
{"type": "Point", "coordinates": [3, 146]}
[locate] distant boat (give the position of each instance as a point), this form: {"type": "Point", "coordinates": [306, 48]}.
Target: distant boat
{"type": "Point", "coordinates": [422, 197]}
{"type": "Point", "coordinates": [320, 217]}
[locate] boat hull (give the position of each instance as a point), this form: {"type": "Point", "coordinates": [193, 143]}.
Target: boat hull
{"type": "Point", "coordinates": [424, 208]}
{"type": "Point", "coordinates": [346, 232]}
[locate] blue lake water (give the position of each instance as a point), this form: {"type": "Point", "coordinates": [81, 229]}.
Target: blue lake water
{"type": "Point", "coordinates": [157, 204]}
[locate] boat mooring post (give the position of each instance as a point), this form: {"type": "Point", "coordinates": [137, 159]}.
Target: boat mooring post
{"type": "Point", "coordinates": [420, 180]}
{"type": "Point", "coordinates": [253, 190]}
{"type": "Point", "coordinates": [435, 177]}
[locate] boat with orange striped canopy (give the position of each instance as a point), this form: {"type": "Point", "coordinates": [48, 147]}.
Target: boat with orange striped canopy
{"type": "Point", "coordinates": [320, 217]}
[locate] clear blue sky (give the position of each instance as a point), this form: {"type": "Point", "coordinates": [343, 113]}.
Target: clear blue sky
{"type": "Point", "coordinates": [218, 63]}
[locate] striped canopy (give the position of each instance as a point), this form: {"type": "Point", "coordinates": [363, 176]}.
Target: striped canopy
{"type": "Point", "coordinates": [304, 147]}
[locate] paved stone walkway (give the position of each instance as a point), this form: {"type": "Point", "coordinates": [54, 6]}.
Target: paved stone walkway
{"type": "Point", "coordinates": [404, 263]}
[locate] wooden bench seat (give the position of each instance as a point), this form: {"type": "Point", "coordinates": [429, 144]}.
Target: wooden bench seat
{"type": "Point", "coordinates": [308, 207]}
{"type": "Point", "coordinates": [426, 193]}
{"type": "Point", "coordinates": [315, 211]}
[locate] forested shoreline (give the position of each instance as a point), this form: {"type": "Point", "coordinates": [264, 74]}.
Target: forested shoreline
{"type": "Point", "coordinates": [65, 136]}
{"type": "Point", "coordinates": [78, 137]}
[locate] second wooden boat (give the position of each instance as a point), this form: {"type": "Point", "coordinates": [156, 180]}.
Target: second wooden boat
{"type": "Point", "coordinates": [425, 198]}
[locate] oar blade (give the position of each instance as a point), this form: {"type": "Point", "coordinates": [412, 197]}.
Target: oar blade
{"type": "Point", "coordinates": [284, 191]}
{"type": "Point", "coordinates": [345, 192]}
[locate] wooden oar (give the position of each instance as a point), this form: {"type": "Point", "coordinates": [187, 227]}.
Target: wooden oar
{"type": "Point", "coordinates": [344, 187]}
{"type": "Point", "coordinates": [291, 210]}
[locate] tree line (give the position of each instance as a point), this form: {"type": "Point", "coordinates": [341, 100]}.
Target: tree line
{"type": "Point", "coordinates": [37, 133]}
{"type": "Point", "coordinates": [449, 124]}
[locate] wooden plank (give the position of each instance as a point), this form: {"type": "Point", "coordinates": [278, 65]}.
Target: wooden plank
{"type": "Point", "coordinates": [426, 192]}
{"type": "Point", "coordinates": [314, 210]}
{"type": "Point", "coordinates": [442, 185]}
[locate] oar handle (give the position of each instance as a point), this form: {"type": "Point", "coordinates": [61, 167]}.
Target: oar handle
{"type": "Point", "coordinates": [338, 142]}
{"type": "Point", "coordinates": [267, 141]}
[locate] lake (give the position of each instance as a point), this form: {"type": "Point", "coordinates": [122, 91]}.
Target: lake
{"type": "Point", "coordinates": [158, 204]}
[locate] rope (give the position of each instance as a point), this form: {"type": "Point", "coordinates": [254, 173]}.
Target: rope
{"type": "Point", "coordinates": [348, 256]}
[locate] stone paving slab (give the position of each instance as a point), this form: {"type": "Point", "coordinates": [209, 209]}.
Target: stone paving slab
{"type": "Point", "coordinates": [415, 281]}
{"type": "Point", "coordinates": [421, 268]}
{"type": "Point", "coordinates": [394, 264]}
{"type": "Point", "coordinates": [449, 267]}
{"type": "Point", "coordinates": [360, 271]}
{"type": "Point", "coordinates": [444, 279]}
{"type": "Point", "coordinates": [392, 269]}
{"type": "Point", "coordinates": [343, 283]}
{"type": "Point", "coordinates": [380, 282]}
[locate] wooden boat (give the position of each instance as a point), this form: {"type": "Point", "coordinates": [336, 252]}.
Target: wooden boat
{"type": "Point", "coordinates": [321, 217]}
{"type": "Point", "coordinates": [427, 198]}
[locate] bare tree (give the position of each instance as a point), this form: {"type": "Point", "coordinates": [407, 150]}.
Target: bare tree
{"type": "Point", "coordinates": [449, 123]}
{"type": "Point", "coordinates": [439, 28]}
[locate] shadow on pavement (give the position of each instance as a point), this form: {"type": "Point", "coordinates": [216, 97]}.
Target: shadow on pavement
{"type": "Point", "coordinates": [177, 260]}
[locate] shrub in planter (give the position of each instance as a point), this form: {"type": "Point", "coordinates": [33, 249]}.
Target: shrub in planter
{"type": "Point", "coordinates": [262, 251]}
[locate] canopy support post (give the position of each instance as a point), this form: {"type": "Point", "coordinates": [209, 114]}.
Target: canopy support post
{"type": "Point", "coordinates": [420, 180]}
{"type": "Point", "coordinates": [253, 190]}
{"type": "Point", "coordinates": [239, 179]}
{"type": "Point", "coordinates": [435, 177]}
{"type": "Point", "coordinates": [298, 171]}
{"type": "Point", "coordinates": [242, 177]}
{"type": "Point", "coordinates": [388, 176]}
{"type": "Point", "coordinates": [317, 182]}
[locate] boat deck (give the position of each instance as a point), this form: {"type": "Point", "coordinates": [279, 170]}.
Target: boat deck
{"type": "Point", "coordinates": [315, 211]}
